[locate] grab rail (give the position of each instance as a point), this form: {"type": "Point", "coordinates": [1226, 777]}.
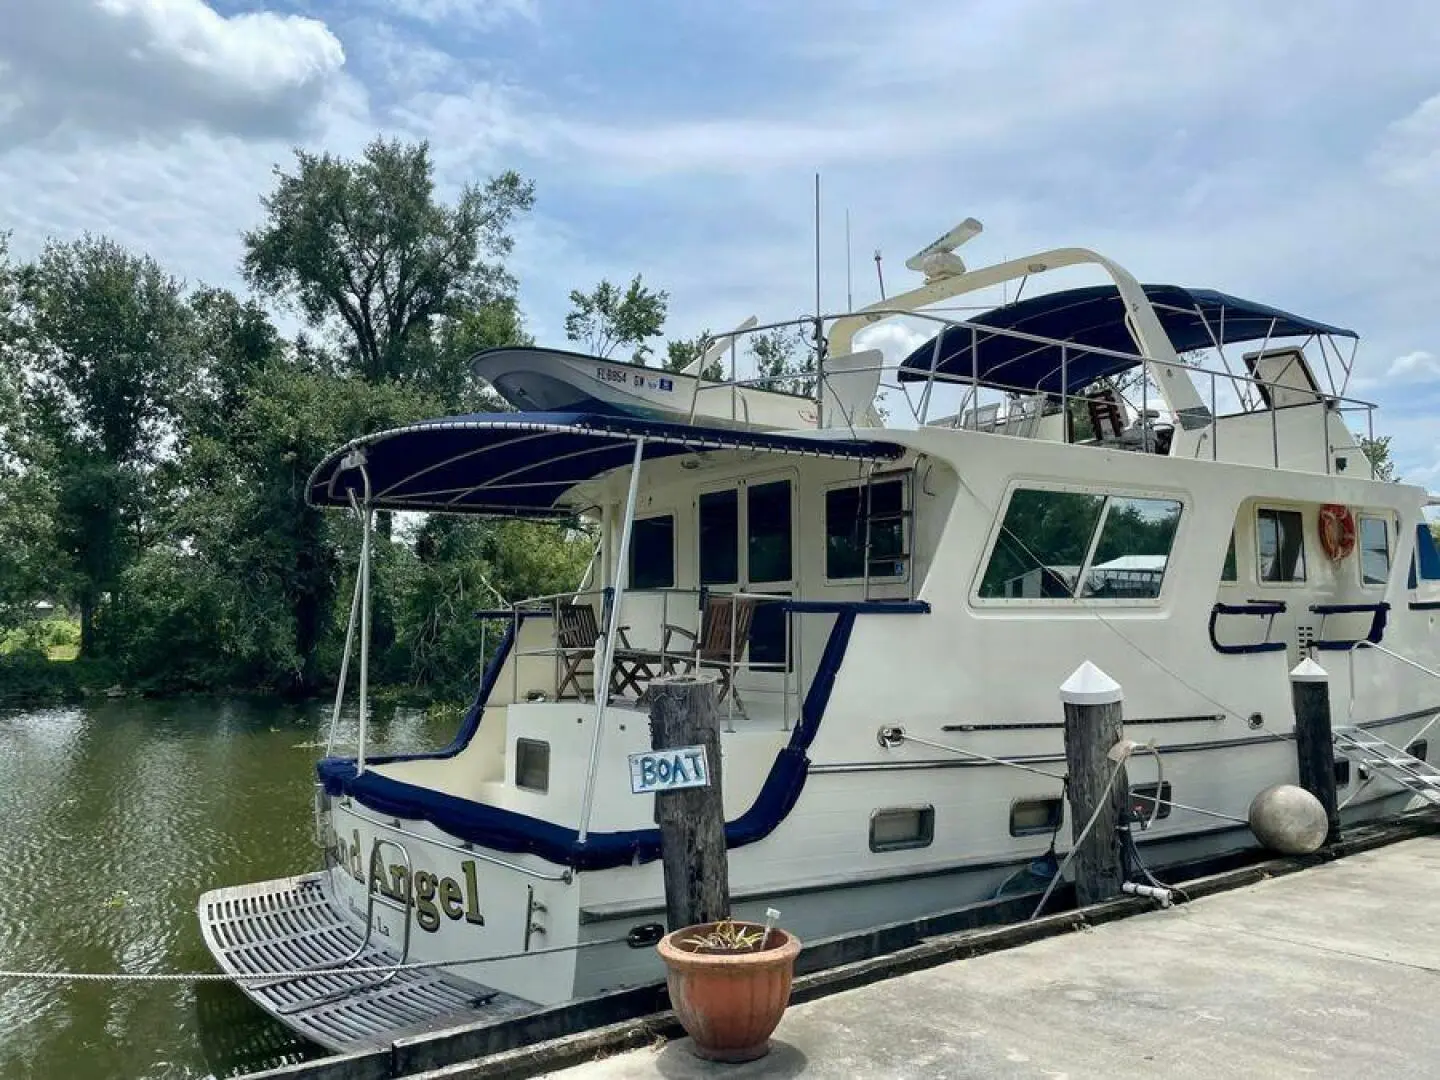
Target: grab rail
{"type": "Point", "coordinates": [1378, 615]}
{"type": "Point", "coordinates": [1261, 608]}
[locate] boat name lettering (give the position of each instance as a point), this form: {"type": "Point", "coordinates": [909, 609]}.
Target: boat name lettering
{"type": "Point", "coordinates": [433, 894]}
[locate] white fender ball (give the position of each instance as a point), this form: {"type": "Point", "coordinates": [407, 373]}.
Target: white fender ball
{"type": "Point", "coordinates": [1288, 819]}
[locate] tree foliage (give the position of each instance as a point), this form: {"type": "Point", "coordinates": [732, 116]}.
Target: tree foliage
{"type": "Point", "coordinates": [785, 358]}
{"type": "Point", "coordinates": [1377, 452]}
{"type": "Point", "coordinates": [609, 317]}
{"type": "Point", "coordinates": [681, 353]}
{"type": "Point", "coordinates": [367, 252]}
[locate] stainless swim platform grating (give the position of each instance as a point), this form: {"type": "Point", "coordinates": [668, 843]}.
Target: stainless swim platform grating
{"type": "Point", "coordinates": [290, 923]}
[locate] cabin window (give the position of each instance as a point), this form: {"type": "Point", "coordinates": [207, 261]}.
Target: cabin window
{"type": "Point", "coordinates": [1425, 566]}
{"type": "Point", "coordinates": [652, 553]}
{"type": "Point", "coordinates": [896, 828]}
{"type": "Point", "coordinates": [1134, 546]}
{"type": "Point", "coordinates": [719, 520]}
{"type": "Point", "coordinates": [532, 765]}
{"type": "Point", "coordinates": [767, 519]}
{"type": "Point", "coordinates": [1142, 801]}
{"type": "Point", "coordinates": [1280, 544]}
{"type": "Point", "coordinates": [852, 513]}
{"type": "Point", "coordinates": [1031, 817]}
{"type": "Point", "coordinates": [1229, 572]}
{"type": "Point", "coordinates": [1374, 550]}
{"type": "Point", "coordinates": [1042, 544]}
{"type": "Point", "coordinates": [1054, 545]}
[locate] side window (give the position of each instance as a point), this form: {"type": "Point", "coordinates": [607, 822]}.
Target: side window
{"type": "Point", "coordinates": [848, 512]}
{"type": "Point", "coordinates": [1230, 572]}
{"type": "Point", "coordinates": [1427, 555]}
{"type": "Point", "coordinates": [1280, 544]}
{"type": "Point", "coordinates": [1031, 817]}
{"type": "Point", "coordinates": [1374, 550]}
{"type": "Point", "coordinates": [900, 827]}
{"type": "Point", "coordinates": [1042, 544]}
{"type": "Point", "coordinates": [1134, 546]}
{"type": "Point", "coordinates": [652, 553]}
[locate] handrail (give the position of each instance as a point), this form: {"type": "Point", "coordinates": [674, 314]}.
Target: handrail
{"type": "Point", "coordinates": [1262, 608]}
{"type": "Point", "coordinates": [1379, 615]}
{"type": "Point", "coordinates": [1350, 656]}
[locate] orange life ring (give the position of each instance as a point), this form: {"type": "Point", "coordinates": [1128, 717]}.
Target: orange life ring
{"type": "Point", "coordinates": [1337, 530]}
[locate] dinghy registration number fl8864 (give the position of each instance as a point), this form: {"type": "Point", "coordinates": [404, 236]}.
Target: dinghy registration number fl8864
{"type": "Point", "coordinates": [669, 770]}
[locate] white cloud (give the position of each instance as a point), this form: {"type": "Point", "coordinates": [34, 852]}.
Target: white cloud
{"type": "Point", "coordinates": [1414, 365]}
{"type": "Point", "coordinates": [130, 67]}
{"type": "Point", "coordinates": [1409, 149]}
{"type": "Point", "coordinates": [469, 13]}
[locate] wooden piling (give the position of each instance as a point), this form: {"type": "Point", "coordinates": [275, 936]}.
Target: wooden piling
{"type": "Point", "coordinates": [684, 712]}
{"type": "Point", "coordinates": [1094, 723]}
{"type": "Point", "coordinates": [1314, 739]}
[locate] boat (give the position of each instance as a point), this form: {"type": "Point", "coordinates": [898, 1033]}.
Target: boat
{"type": "Point", "coordinates": [534, 379]}
{"type": "Point", "coordinates": [1084, 475]}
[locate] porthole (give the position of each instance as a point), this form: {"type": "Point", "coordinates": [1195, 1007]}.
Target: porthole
{"type": "Point", "coordinates": [896, 828]}
{"type": "Point", "coordinates": [1031, 817]}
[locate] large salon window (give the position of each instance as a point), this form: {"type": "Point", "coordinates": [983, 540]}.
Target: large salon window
{"type": "Point", "coordinates": [1133, 550]}
{"type": "Point", "coordinates": [1280, 543]}
{"type": "Point", "coordinates": [1048, 547]}
{"type": "Point", "coordinates": [652, 553]}
{"type": "Point", "coordinates": [1374, 550]}
{"type": "Point", "coordinates": [876, 512]}
{"type": "Point", "coordinates": [1042, 544]}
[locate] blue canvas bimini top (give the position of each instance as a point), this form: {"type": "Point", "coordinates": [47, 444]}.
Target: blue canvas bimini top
{"type": "Point", "coordinates": [522, 464]}
{"type": "Point", "coordinates": [1094, 317]}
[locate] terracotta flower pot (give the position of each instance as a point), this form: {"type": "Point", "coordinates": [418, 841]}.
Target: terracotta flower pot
{"type": "Point", "coordinates": [729, 1002]}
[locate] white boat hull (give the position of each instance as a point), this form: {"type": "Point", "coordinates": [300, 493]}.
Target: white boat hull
{"type": "Point", "coordinates": [548, 380]}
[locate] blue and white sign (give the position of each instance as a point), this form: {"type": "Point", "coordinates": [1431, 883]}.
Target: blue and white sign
{"type": "Point", "coordinates": [669, 770]}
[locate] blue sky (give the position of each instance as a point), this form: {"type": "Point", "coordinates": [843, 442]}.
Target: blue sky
{"type": "Point", "coordinates": [1287, 151]}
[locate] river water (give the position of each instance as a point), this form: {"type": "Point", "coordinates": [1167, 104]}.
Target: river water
{"type": "Point", "coordinates": [114, 818]}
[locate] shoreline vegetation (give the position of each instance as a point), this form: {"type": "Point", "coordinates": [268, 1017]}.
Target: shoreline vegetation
{"type": "Point", "coordinates": [156, 436]}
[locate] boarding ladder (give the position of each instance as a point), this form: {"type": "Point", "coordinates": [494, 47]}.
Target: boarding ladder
{"type": "Point", "coordinates": [1381, 758]}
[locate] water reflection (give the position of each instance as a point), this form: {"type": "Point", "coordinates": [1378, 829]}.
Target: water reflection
{"type": "Point", "coordinates": [117, 816]}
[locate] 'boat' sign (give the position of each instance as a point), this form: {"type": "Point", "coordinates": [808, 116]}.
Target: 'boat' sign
{"type": "Point", "coordinates": [669, 770]}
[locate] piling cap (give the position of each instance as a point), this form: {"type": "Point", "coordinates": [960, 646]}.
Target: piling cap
{"type": "Point", "coordinates": [1308, 671]}
{"type": "Point", "coordinates": [1088, 685]}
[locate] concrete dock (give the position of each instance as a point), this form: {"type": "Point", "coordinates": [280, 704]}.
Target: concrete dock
{"type": "Point", "coordinates": [1331, 971]}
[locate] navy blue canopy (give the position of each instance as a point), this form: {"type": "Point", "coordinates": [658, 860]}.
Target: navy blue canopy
{"type": "Point", "coordinates": [1095, 317]}
{"type": "Point", "coordinates": [521, 464]}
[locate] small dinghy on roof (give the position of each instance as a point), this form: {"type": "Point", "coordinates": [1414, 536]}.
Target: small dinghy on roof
{"type": "Point", "coordinates": [553, 380]}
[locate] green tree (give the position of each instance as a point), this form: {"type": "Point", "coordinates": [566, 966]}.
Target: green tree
{"type": "Point", "coordinates": [682, 353]}
{"type": "Point", "coordinates": [785, 359]}
{"type": "Point", "coordinates": [105, 340]}
{"type": "Point", "coordinates": [1377, 451]}
{"type": "Point", "coordinates": [608, 317]}
{"type": "Point", "coordinates": [28, 559]}
{"type": "Point", "coordinates": [364, 249]}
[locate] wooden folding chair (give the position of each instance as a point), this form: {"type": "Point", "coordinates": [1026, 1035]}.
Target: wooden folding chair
{"type": "Point", "coordinates": [575, 636]}
{"type": "Point", "coordinates": [723, 638]}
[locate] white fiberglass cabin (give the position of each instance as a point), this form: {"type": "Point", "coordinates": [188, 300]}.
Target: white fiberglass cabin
{"type": "Point", "coordinates": [890, 612]}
